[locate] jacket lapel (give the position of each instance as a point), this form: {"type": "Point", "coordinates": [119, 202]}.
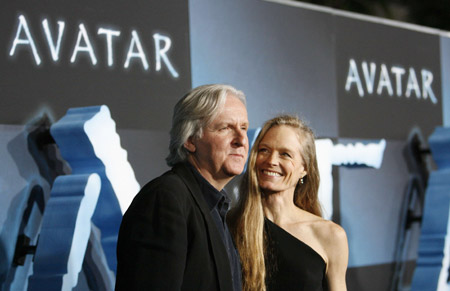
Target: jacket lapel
{"type": "Point", "coordinates": [220, 254]}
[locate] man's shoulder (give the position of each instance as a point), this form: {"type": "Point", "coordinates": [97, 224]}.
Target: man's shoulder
{"type": "Point", "coordinates": [173, 185]}
{"type": "Point", "coordinates": [177, 177]}
{"type": "Point", "coordinates": [168, 179]}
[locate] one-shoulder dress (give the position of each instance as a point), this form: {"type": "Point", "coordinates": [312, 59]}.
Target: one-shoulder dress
{"type": "Point", "coordinates": [291, 264]}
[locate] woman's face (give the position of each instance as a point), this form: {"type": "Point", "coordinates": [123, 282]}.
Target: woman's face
{"type": "Point", "coordinates": [279, 164]}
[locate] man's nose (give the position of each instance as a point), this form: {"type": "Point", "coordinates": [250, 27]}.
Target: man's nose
{"type": "Point", "coordinates": [240, 138]}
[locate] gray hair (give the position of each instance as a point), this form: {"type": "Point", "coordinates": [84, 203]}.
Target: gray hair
{"type": "Point", "coordinates": [192, 113]}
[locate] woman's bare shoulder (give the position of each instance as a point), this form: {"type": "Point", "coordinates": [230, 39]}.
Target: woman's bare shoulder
{"type": "Point", "coordinates": [333, 239]}
{"type": "Point", "coordinates": [329, 232]}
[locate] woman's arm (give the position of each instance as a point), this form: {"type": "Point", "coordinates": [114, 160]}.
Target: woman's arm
{"type": "Point", "coordinates": [337, 253]}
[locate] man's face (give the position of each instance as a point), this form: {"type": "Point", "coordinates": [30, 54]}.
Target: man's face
{"type": "Point", "coordinates": [221, 153]}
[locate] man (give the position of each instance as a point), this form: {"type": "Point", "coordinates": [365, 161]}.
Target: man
{"type": "Point", "coordinates": [174, 235]}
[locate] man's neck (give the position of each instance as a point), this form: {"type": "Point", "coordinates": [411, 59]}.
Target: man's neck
{"type": "Point", "coordinates": [216, 182]}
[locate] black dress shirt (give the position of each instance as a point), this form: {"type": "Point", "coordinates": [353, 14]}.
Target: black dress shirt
{"type": "Point", "coordinates": [219, 204]}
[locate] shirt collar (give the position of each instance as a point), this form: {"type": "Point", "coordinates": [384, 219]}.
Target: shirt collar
{"type": "Point", "coordinates": [212, 196]}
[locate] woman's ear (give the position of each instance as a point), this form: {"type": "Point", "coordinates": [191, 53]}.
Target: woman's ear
{"type": "Point", "coordinates": [189, 145]}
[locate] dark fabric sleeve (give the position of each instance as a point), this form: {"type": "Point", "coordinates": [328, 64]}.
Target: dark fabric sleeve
{"type": "Point", "coordinates": [152, 243]}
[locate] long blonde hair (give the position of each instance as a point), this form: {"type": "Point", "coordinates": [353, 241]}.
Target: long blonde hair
{"type": "Point", "coordinates": [247, 218]}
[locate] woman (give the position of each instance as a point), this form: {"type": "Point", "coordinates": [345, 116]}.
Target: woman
{"type": "Point", "coordinates": [283, 241]}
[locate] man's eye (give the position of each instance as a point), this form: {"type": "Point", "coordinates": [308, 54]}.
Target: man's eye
{"type": "Point", "coordinates": [286, 155]}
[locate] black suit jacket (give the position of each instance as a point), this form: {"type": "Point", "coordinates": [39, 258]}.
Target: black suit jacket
{"type": "Point", "coordinates": [168, 239]}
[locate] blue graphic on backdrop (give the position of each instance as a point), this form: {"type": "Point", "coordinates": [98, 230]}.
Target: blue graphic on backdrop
{"type": "Point", "coordinates": [432, 265]}
{"type": "Point", "coordinates": [66, 228]}
{"type": "Point", "coordinates": [88, 141]}
{"type": "Point", "coordinates": [29, 166]}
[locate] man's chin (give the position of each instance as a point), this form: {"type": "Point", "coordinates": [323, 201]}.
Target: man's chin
{"type": "Point", "coordinates": [234, 171]}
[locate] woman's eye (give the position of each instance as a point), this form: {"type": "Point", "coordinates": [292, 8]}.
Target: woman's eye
{"type": "Point", "coordinates": [286, 155]}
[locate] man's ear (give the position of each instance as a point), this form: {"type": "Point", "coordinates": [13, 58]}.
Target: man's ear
{"type": "Point", "coordinates": [189, 145]}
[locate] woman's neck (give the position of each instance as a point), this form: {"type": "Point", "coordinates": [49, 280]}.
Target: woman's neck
{"type": "Point", "coordinates": [280, 207]}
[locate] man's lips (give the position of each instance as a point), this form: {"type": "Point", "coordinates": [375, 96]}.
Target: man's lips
{"type": "Point", "coordinates": [237, 155]}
